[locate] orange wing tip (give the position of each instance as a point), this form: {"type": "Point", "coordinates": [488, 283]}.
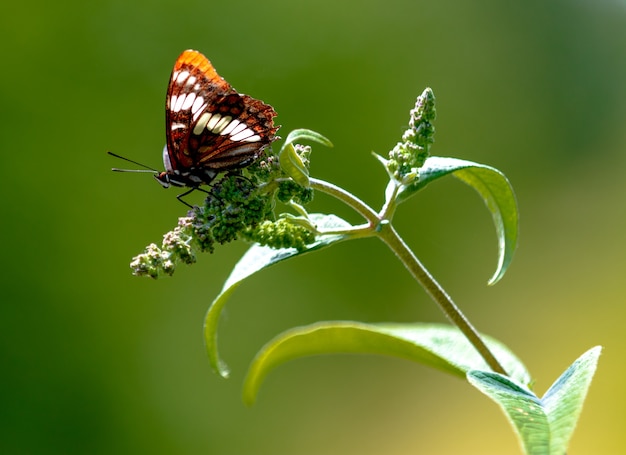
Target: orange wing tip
{"type": "Point", "coordinates": [194, 59]}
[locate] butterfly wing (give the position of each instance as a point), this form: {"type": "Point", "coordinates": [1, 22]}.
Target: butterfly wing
{"type": "Point", "coordinates": [209, 125]}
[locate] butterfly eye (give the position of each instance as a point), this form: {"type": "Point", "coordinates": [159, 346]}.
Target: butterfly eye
{"type": "Point", "coordinates": [163, 179]}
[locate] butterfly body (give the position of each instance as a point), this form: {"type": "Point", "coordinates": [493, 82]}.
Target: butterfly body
{"type": "Point", "coordinates": [210, 127]}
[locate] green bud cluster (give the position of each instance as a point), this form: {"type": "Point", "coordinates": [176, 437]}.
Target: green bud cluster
{"type": "Point", "coordinates": [288, 190]}
{"type": "Point", "coordinates": [282, 233]}
{"type": "Point", "coordinates": [265, 169]}
{"type": "Point", "coordinates": [176, 247]}
{"type": "Point", "coordinates": [234, 204]}
{"type": "Point", "coordinates": [409, 155]}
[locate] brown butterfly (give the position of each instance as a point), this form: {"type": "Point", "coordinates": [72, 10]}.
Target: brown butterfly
{"type": "Point", "coordinates": [210, 127]}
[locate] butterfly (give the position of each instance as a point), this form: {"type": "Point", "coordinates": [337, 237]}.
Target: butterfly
{"type": "Point", "coordinates": [210, 127]}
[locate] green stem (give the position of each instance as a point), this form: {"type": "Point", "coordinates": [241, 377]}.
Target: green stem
{"type": "Point", "coordinates": [391, 238]}
{"type": "Point", "coordinates": [347, 198]}
{"type": "Point", "coordinates": [384, 230]}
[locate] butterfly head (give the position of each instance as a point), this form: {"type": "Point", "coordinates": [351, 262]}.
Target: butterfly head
{"type": "Point", "coordinates": [163, 177]}
{"type": "Point", "coordinates": [191, 177]}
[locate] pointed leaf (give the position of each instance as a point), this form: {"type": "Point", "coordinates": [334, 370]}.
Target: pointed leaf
{"type": "Point", "coordinates": [292, 164]}
{"type": "Point", "coordinates": [544, 426]}
{"type": "Point", "coordinates": [304, 134]}
{"type": "Point", "coordinates": [522, 407]}
{"type": "Point", "coordinates": [564, 400]}
{"type": "Point", "coordinates": [435, 345]}
{"type": "Point", "coordinates": [495, 190]}
{"type": "Point", "coordinates": [254, 260]}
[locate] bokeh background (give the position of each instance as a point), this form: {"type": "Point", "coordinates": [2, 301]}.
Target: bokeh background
{"type": "Point", "coordinates": [94, 360]}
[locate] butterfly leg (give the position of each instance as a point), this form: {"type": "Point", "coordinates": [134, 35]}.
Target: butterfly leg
{"type": "Point", "coordinates": [191, 190]}
{"type": "Point", "coordinates": [180, 196]}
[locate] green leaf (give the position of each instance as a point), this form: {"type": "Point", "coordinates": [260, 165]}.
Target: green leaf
{"type": "Point", "coordinates": [304, 134]}
{"type": "Point", "coordinates": [292, 164]}
{"type": "Point", "coordinates": [544, 426]}
{"type": "Point", "coordinates": [289, 160]}
{"type": "Point", "coordinates": [254, 260]}
{"type": "Point", "coordinates": [435, 345]}
{"type": "Point", "coordinates": [495, 190]}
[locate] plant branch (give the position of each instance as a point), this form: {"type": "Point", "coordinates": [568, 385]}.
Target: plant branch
{"type": "Point", "coordinates": [391, 238]}
{"type": "Point", "coordinates": [382, 228]}
{"type": "Point", "coordinates": [347, 198]}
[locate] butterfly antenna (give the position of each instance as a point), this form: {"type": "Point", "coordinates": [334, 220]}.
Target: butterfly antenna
{"type": "Point", "coordinates": [146, 168]}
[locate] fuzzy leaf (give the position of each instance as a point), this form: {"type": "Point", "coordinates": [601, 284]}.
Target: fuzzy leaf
{"type": "Point", "coordinates": [495, 190]}
{"type": "Point", "coordinates": [544, 426]}
{"type": "Point", "coordinates": [292, 164]}
{"type": "Point", "coordinates": [254, 260]}
{"type": "Point", "coordinates": [304, 134]}
{"type": "Point", "coordinates": [435, 345]}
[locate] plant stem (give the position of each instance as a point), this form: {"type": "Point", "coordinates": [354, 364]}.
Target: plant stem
{"type": "Point", "coordinates": [347, 198]}
{"type": "Point", "coordinates": [391, 238]}
{"type": "Point", "coordinates": [382, 228]}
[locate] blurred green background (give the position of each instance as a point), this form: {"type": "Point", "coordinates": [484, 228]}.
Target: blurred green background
{"type": "Point", "coordinates": [97, 361]}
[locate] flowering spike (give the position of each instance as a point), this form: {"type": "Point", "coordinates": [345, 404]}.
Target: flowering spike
{"type": "Point", "coordinates": [241, 204]}
{"type": "Point", "coordinates": [409, 155]}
